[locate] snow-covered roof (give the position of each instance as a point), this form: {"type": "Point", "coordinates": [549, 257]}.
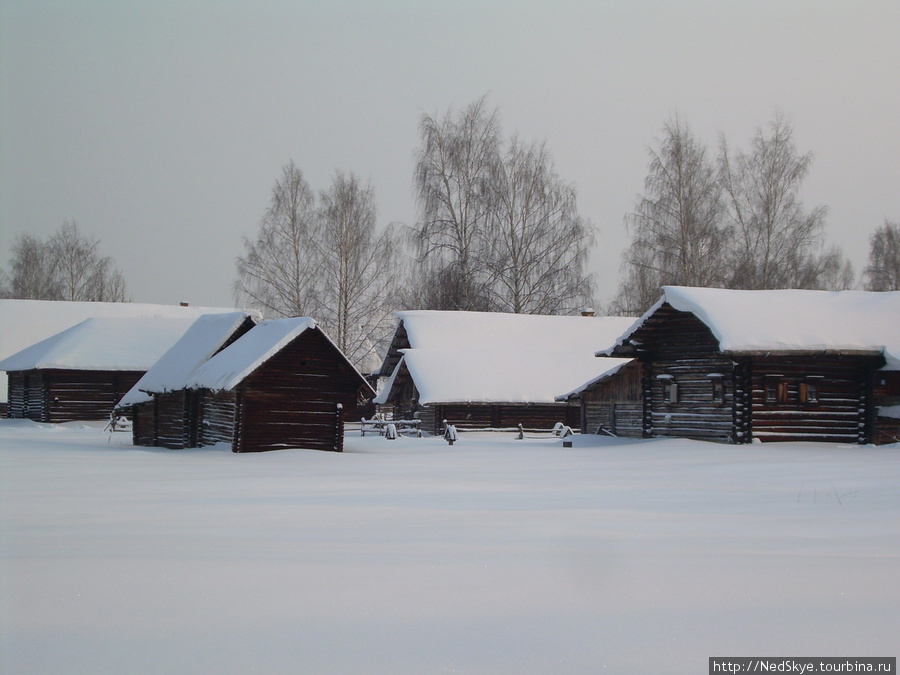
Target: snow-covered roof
{"type": "Point", "coordinates": [199, 343]}
{"type": "Point", "coordinates": [27, 322]}
{"type": "Point", "coordinates": [501, 358]}
{"type": "Point", "coordinates": [790, 320]}
{"type": "Point", "coordinates": [102, 344]}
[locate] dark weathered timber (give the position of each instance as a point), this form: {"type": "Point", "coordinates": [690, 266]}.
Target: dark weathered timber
{"type": "Point", "coordinates": [55, 395]}
{"type": "Point", "coordinates": [765, 396]}
{"type": "Point", "coordinates": [296, 399]}
{"type": "Point", "coordinates": [142, 424]}
{"type": "Point", "coordinates": [498, 416]}
{"type": "Point", "coordinates": [614, 405]}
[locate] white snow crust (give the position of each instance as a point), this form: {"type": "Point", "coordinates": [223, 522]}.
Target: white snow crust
{"type": "Point", "coordinates": [791, 320]}
{"type": "Point", "coordinates": [102, 344]}
{"type": "Point", "coordinates": [199, 343]}
{"type": "Point", "coordinates": [494, 357]}
{"type": "Point", "coordinates": [27, 322]}
{"type": "Point", "coordinates": [228, 368]}
{"type": "Point", "coordinates": [410, 556]}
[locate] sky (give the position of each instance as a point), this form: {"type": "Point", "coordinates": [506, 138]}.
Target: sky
{"type": "Point", "coordinates": [161, 127]}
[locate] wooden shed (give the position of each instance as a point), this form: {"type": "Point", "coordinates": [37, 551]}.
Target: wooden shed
{"type": "Point", "coordinates": [24, 323]}
{"type": "Point", "coordinates": [283, 384]}
{"type": "Point", "coordinates": [162, 411]}
{"type": "Point", "coordinates": [80, 373]}
{"type": "Point", "coordinates": [491, 370]}
{"type": "Point", "coordinates": [787, 365]}
{"type": "Point", "coordinates": [613, 402]}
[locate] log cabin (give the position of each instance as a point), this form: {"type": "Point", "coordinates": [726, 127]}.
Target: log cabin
{"type": "Point", "coordinates": [781, 365]}
{"type": "Point", "coordinates": [161, 409]}
{"type": "Point", "coordinates": [478, 370]}
{"type": "Point", "coordinates": [283, 384]}
{"type": "Point", "coordinates": [82, 372]}
{"type": "Point", "coordinates": [26, 322]}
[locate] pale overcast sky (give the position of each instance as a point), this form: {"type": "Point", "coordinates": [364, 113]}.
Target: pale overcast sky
{"type": "Point", "coordinates": [160, 127]}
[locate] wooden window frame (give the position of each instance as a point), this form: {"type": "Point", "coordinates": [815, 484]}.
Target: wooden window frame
{"type": "Point", "coordinates": [669, 389]}
{"type": "Point", "coordinates": [775, 389]}
{"type": "Point", "coordinates": [811, 390]}
{"type": "Point", "coordinates": [717, 388]}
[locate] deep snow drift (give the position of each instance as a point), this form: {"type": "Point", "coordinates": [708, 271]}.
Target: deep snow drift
{"type": "Point", "coordinates": [410, 556]}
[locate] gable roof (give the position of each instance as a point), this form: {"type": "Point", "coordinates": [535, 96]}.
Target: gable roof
{"type": "Point", "coordinates": [27, 322]}
{"type": "Point", "coordinates": [228, 368]}
{"type": "Point", "coordinates": [132, 344]}
{"type": "Point", "coordinates": [198, 344]}
{"type": "Point", "coordinates": [787, 321]}
{"type": "Point", "coordinates": [490, 357]}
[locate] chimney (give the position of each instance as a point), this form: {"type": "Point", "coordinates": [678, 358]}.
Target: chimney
{"type": "Point", "coordinates": [587, 311]}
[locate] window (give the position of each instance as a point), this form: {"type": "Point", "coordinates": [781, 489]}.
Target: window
{"type": "Point", "coordinates": [670, 388]}
{"type": "Point", "coordinates": [776, 389]}
{"type": "Point", "coordinates": [717, 382]}
{"type": "Point", "coordinates": [809, 390]}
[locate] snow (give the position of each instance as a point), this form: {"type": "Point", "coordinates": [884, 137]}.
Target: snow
{"type": "Point", "coordinates": [201, 341]}
{"type": "Point", "coordinates": [26, 322]}
{"type": "Point", "coordinates": [228, 368]}
{"type": "Point", "coordinates": [410, 556]}
{"type": "Point", "coordinates": [495, 358]}
{"type": "Point", "coordinates": [792, 320]}
{"type": "Point", "coordinates": [510, 376]}
{"type": "Point", "coordinates": [102, 344]}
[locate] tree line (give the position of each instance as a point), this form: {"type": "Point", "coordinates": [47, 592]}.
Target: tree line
{"type": "Point", "coordinates": [67, 266]}
{"type": "Point", "coordinates": [498, 229]}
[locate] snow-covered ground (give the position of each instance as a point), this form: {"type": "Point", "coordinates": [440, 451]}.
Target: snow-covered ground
{"type": "Point", "coordinates": [410, 556]}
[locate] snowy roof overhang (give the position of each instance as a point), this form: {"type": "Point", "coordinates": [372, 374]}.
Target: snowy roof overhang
{"type": "Point", "coordinates": [108, 344]}
{"type": "Point", "coordinates": [232, 365]}
{"type": "Point", "coordinates": [785, 321]}
{"type": "Point", "coordinates": [200, 342]}
{"type": "Point", "coordinates": [497, 358]}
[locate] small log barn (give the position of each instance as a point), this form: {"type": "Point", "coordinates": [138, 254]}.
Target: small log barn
{"type": "Point", "coordinates": [163, 413]}
{"type": "Point", "coordinates": [481, 370]}
{"type": "Point", "coordinates": [82, 372]}
{"type": "Point", "coordinates": [283, 384]}
{"type": "Point", "coordinates": [783, 365]}
{"type": "Point", "coordinates": [24, 323]}
{"type": "Point", "coordinates": [612, 403]}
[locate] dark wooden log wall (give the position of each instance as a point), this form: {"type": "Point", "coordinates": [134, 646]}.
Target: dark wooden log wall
{"type": "Point", "coordinates": [291, 400]}
{"type": "Point", "coordinates": [502, 416]}
{"type": "Point", "coordinates": [217, 417]}
{"type": "Point", "coordinates": [171, 420]}
{"type": "Point", "coordinates": [886, 392]}
{"type": "Point", "coordinates": [678, 347]}
{"type": "Point", "coordinates": [57, 396]}
{"type": "Point", "coordinates": [615, 404]}
{"type": "Point", "coordinates": [142, 424]}
{"type": "Point", "coordinates": [843, 411]}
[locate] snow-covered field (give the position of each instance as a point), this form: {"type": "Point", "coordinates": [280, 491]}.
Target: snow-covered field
{"type": "Point", "coordinates": [492, 556]}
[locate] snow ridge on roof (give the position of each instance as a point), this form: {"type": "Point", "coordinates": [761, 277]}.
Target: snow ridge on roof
{"type": "Point", "coordinates": [229, 367]}
{"type": "Point", "coordinates": [791, 320]}
{"type": "Point", "coordinates": [198, 344]}
{"type": "Point", "coordinates": [102, 344]}
{"type": "Point", "coordinates": [495, 358]}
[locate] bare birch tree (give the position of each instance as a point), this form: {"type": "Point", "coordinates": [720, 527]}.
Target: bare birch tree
{"type": "Point", "coordinates": [357, 270]}
{"type": "Point", "coordinates": [278, 272]}
{"type": "Point", "coordinates": [883, 271]}
{"type": "Point", "coordinates": [676, 227]}
{"type": "Point", "coordinates": [538, 244]}
{"type": "Point", "coordinates": [776, 242]}
{"type": "Point", "coordinates": [453, 169]}
{"type": "Point", "coordinates": [66, 267]}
